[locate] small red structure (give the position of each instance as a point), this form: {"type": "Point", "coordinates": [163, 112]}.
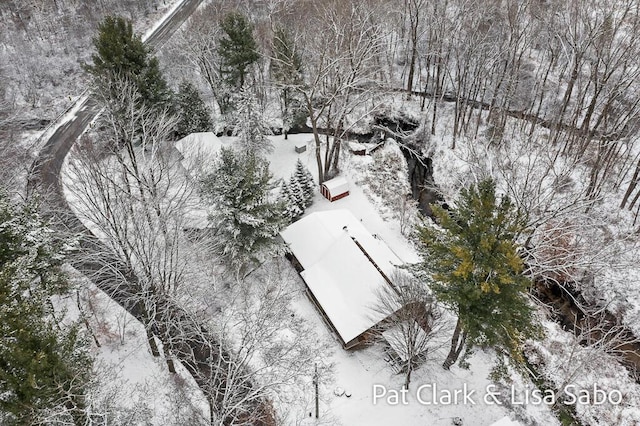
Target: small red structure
{"type": "Point", "coordinates": [335, 188]}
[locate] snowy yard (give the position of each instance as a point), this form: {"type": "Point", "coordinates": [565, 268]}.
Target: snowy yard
{"type": "Point", "coordinates": [374, 389]}
{"type": "Point", "coordinates": [131, 386]}
{"type": "Point", "coordinates": [539, 99]}
{"type": "Point", "coordinates": [357, 372]}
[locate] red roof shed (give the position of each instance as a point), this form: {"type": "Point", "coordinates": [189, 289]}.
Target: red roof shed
{"type": "Point", "coordinates": [335, 188]}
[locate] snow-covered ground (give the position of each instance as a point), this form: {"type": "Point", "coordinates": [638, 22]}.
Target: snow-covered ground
{"type": "Point", "coordinates": [130, 385]}
{"type": "Point", "coordinates": [282, 164]}
{"type": "Point", "coordinates": [357, 372]}
{"type": "Point", "coordinates": [364, 374]}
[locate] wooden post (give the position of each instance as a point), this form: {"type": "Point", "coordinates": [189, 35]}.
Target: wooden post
{"type": "Point", "coordinates": [315, 382]}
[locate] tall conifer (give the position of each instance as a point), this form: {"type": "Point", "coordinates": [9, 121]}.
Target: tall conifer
{"type": "Point", "coordinates": [473, 266]}
{"type": "Point", "coordinates": [44, 365]}
{"type": "Point", "coordinates": [237, 48]}
{"type": "Point", "coordinates": [194, 114]}
{"type": "Point", "coordinates": [121, 54]}
{"type": "Point", "coordinates": [244, 218]}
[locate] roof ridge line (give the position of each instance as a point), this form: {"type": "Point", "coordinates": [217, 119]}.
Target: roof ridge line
{"type": "Point", "coordinates": [380, 271]}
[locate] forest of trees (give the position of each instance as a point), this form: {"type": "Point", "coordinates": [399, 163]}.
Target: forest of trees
{"type": "Point", "coordinates": [538, 102]}
{"type": "Point", "coordinates": [566, 67]}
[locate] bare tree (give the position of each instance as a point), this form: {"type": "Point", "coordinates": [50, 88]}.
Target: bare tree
{"type": "Point", "coordinates": [267, 353]}
{"type": "Point", "coordinates": [413, 12]}
{"type": "Point", "coordinates": [131, 192]}
{"type": "Point", "coordinates": [14, 158]}
{"type": "Point", "coordinates": [339, 44]}
{"type": "Point", "coordinates": [199, 44]}
{"type": "Point", "coordinates": [414, 324]}
{"type": "Point", "coordinates": [572, 363]}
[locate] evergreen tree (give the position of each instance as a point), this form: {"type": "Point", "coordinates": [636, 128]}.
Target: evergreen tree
{"type": "Point", "coordinates": [194, 115]}
{"type": "Point", "coordinates": [305, 179]}
{"type": "Point", "coordinates": [251, 128]}
{"type": "Point", "coordinates": [292, 210]}
{"type": "Point", "coordinates": [121, 54]}
{"type": "Point", "coordinates": [44, 366]}
{"type": "Point", "coordinates": [237, 48]}
{"type": "Point", "coordinates": [297, 192]}
{"type": "Point", "coordinates": [286, 69]}
{"type": "Point", "coordinates": [245, 221]}
{"type": "Point", "coordinates": [475, 270]}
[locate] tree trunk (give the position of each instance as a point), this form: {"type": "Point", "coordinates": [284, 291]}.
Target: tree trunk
{"type": "Point", "coordinates": [457, 343]}
{"type": "Point", "coordinates": [152, 344]}
{"type": "Point", "coordinates": [631, 187]}
{"type": "Point", "coordinates": [555, 131]}
{"type": "Point", "coordinates": [414, 55]}
{"type": "Point", "coordinates": [407, 377]}
{"type": "Point", "coordinates": [167, 355]}
{"type": "Point", "coordinates": [285, 101]}
{"type": "Point", "coordinates": [211, 412]}
{"type": "Point", "coordinates": [316, 137]}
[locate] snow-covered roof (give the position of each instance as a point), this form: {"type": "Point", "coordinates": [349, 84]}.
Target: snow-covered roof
{"type": "Point", "coordinates": [366, 148]}
{"type": "Point", "coordinates": [357, 146]}
{"type": "Point", "coordinates": [198, 148]}
{"type": "Point", "coordinates": [344, 281]}
{"type": "Point", "coordinates": [337, 185]}
{"type": "Point", "coordinates": [310, 237]}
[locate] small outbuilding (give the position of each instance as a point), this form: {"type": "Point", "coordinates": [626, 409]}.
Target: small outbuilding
{"type": "Point", "coordinates": [301, 147]}
{"type": "Point", "coordinates": [335, 188]}
{"type": "Point", "coordinates": [358, 148]}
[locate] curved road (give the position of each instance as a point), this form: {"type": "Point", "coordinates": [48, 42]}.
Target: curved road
{"type": "Point", "coordinates": [45, 172]}
{"type": "Point", "coordinates": [186, 338]}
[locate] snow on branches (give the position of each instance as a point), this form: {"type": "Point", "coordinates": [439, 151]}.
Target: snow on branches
{"type": "Point", "coordinates": [243, 218]}
{"type": "Point", "coordinates": [298, 193]}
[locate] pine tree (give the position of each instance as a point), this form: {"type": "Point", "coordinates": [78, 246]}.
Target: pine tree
{"type": "Point", "coordinates": [237, 48]}
{"type": "Point", "coordinates": [286, 69]}
{"type": "Point", "coordinates": [474, 269]}
{"type": "Point", "coordinates": [44, 366]}
{"type": "Point", "coordinates": [195, 116]}
{"type": "Point", "coordinates": [298, 192]}
{"type": "Point", "coordinates": [121, 54]}
{"type": "Point", "coordinates": [153, 86]}
{"type": "Point", "coordinates": [292, 210]}
{"type": "Point", "coordinates": [305, 179]}
{"type": "Point", "coordinates": [251, 128]}
{"type": "Point", "coordinates": [244, 219]}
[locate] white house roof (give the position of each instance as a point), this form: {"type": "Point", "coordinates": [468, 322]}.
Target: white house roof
{"type": "Point", "coordinates": [337, 185]}
{"type": "Point", "coordinates": [310, 237]}
{"type": "Point", "coordinates": [341, 277]}
{"type": "Point", "coordinates": [198, 148]}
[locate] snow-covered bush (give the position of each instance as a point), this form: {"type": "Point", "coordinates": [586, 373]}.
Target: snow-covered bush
{"type": "Point", "coordinates": [386, 179]}
{"type": "Point", "coordinates": [304, 178]}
